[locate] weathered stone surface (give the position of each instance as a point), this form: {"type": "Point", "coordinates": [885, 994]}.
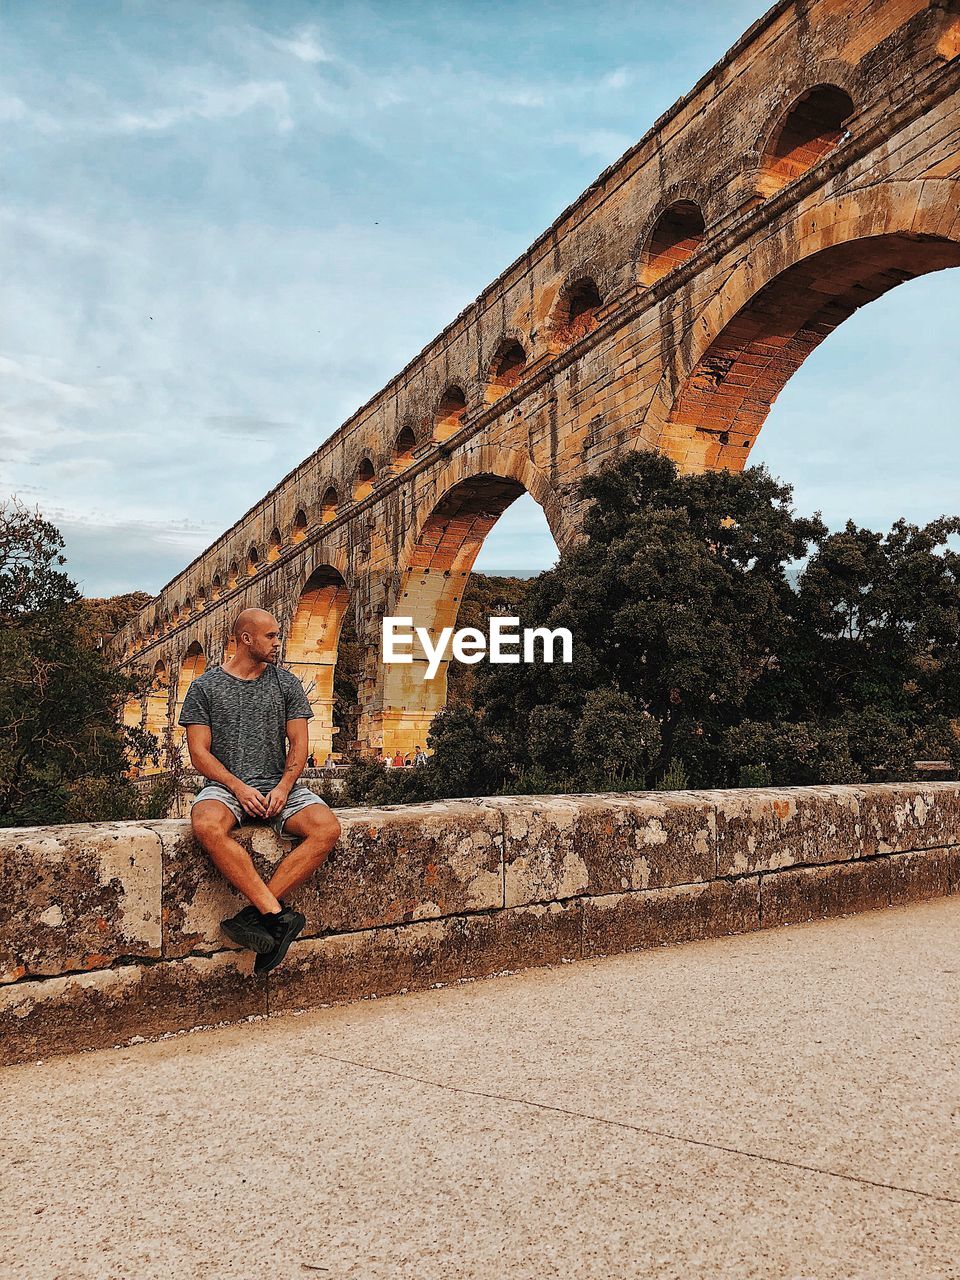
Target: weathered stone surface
{"type": "Point", "coordinates": [898, 817]}
{"type": "Point", "coordinates": [91, 1010]}
{"type": "Point", "coordinates": [812, 893]}
{"type": "Point", "coordinates": [929, 873]}
{"type": "Point", "coordinates": [521, 937]}
{"type": "Point", "coordinates": [403, 863]}
{"type": "Point", "coordinates": [347, 966]}
{"type": "Point", "coordinates": [758, 829]}
{"type": "Point", "coordinates": [77, 896]}
{"type": "Point", "coordinates": [629, 921]}
{"type": "Point", "coordinates": [558, 847]}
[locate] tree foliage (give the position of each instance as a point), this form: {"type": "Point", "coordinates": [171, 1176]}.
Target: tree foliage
{"type": "Point", "coordinates": [61, 747]}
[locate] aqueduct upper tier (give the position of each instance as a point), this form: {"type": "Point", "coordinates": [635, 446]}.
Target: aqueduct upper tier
{"type": "Point", "coordinates": [813, 168]}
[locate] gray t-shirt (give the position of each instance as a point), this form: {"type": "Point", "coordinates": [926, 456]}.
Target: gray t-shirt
{"type": "Point", "coordinates": [247, 720]}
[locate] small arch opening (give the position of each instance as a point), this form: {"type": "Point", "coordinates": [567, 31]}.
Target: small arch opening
{"type": "Point", "coordinates": [328, 505]}
{"type": "Point", "coordinates": [233, 574]}
{"type": "Point", "coordinates": [404, 446]}
{"type": "Point", "coordinates": [274, 546]}
{"type": "Point", "coordinates": [298, 530]}
{"type": "Point", "coordinates": [253, 561]}
{"type": "Point", "coordinates": [363, 484]}
{"type": "Point", "coordinates": [216, 587]}
{"type": "Point", "coordinates": [450, 411]}
{"type": "Point", "coordinates": [507, 368]}
{"type": "Point", "coordinates": [812, 127]}
{"type": "Point", "coordinates": [201, 600]}
{"type": "Point", "coordinates": [577, 311]}
{"type": "Point", "coordinates": [675, 237]}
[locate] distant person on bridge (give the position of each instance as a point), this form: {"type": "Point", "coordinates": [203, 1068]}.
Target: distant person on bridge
{"type": "Point", "coordinates": [239, 718]}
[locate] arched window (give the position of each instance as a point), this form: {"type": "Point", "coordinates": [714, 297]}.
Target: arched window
{"type": "Point", "coordinates": [363, 484]}
{"type": "Point", "coordinates": [404, 446]}
{"type": "Point", "coordinates": [450, 411]}
{"type": "Point", "coordinates": [812, 127]}
{"type": "Point", "coordinates": [216, 587]}
{"type": "Point", "coordinates": [273, 546]}
{"type": "Point", "coordinates": [675, 236]}
{"type": "Point", "coordinates": [253, 561]}
{"type": "Point", "coordinates": [299, 529]}
{"type": "Point", "coordinates": [328, 505]}
{"type": "Point", "coordinates": [507, 367]}
{"type": "Point", "coordinates": [576, 311]}
{"type": "Point", "coordinates": [233, 574]}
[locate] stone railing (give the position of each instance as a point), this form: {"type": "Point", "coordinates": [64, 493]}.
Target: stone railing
{"type": "Point", "coordinates": [110, 931]}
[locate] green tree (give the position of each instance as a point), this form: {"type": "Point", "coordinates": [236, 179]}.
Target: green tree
{"type": "Point", "coordinates": [61, 747]}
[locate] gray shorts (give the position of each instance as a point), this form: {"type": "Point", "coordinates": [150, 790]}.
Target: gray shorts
{"type": "Point", "coordinates": [298, 799]}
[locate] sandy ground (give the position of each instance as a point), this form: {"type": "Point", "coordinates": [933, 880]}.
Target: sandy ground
{"type": "Point", "coordinates": [782, 1104]}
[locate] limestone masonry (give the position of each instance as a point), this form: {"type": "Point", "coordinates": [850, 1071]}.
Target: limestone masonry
{"type": "Point", "coordinates": [111, 930]}
{"type": "Point", "coordinates": [816, 166]}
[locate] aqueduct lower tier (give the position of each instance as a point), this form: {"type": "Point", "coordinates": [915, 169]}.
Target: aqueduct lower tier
{"type": "Point", "coordinates": [813, 169]}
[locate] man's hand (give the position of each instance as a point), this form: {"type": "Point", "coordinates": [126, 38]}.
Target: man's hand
{"type": "Point", "coordinates": [252, 800]}
{"type": "Point", "coordinates": [276, 799]}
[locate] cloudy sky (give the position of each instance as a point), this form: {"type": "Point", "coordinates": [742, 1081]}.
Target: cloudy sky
{"type": "Point", "coordinates": [224, 226]}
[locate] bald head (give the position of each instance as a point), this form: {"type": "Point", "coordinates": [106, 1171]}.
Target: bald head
{"type": "Point", "coordinates": [257, 632]}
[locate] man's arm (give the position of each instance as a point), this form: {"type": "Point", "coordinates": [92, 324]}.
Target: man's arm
{"type": "Point", "coordinates": [298, 742]}
{"type": "Point", "coordinates": [205, 762]}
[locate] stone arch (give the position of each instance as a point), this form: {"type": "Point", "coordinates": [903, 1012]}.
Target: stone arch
{"type": "Point", "coordinates": [193, 664]}
{"type": "Point", "coordinates": [253, 560]}
{"type": "Point", "coordinates": [328, 505]}
{"type": "Point", "coordinates": [506, 368]}
{"type": "Point", "coordinates": [363, 479]}
{"type": "Point", "coordinates": [575, 311]}
{"type": "Point", "coordinates": [812, 126]}
{"type": "Point", "coordinates": [776, 308]}
{"type": "Point", "coordinates": [404, 446]}
{"type": "Point", "coordinates": [675, 236]}
{"type": "Point", "coordinates": [435, 564]}
{"type": "Point", "coordinates": [450, 411]}
{"type": "Point", "coordinates": [274, 545]}
{"type": "Point", "coordinates": [313, 638]}
{"type": "Point", "coordinates": [158, 711]}
{"type": "Point", "coordinates": [233, 574]}
{"type": "Point", "coordinates": [298, 529]}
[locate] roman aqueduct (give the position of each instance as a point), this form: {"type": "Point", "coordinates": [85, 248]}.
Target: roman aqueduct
{"type": "Point", "coordinates": [815, 167]}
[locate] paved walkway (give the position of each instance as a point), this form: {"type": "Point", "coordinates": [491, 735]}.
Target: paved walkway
{"type": "Point", "coordinates": [782, 1104]}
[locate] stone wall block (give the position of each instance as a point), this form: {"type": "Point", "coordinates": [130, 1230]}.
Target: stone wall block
{"type": "Point", "coordinates": [108, 1006]}
{"type": "Point", "coordinates": [557, 847]}
{"type": "Point", "coordinates": [928, 873]}
{"type": "Point", "coordinates": [813, 893]}
{"type": "Point", "coordinates": [77, 896]}
{"type": "Point", "coordinates": [687, 913]}
{"type": "Point", "coordinates": [348, 966]}
{"type": "Point", "coordinates": [758, 829]}
{"type": "Point", "coordinates": [521, 937]}
{"type": "Point", "coordinates": [899, 817]}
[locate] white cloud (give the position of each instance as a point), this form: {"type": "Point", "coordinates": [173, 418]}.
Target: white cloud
{"type": "Point", "coordinates": [210, 104]}
{"type": "Point", "coordinates": [605, 144]}
{"type": "Point", "coordinates": [618, 79]}
{"type": "Point", "coordinates": [304, 46]}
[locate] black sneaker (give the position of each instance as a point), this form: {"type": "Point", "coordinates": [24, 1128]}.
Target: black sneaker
{"type": "Point", "coordinates": [248, 929]}
{"type": "Point", "coordinates": [283, 927]}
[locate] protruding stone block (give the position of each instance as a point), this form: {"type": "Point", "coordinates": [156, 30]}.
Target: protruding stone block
{"type": "Point", "coordinates": [631, 921]}
{"type": "Point", "coordinates": [81, 1011]}
{"type": "Point", "coordinates": [557, 847]}
{"type": "Point", "coordinates": [813, 893]}
{"type": "Point", "coordinates": [76, 897]}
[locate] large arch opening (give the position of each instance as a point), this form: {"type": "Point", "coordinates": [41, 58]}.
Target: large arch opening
{"type": "Point", "coordinates": [311, 654]}
{"type": "Point", "coordinates": [432, 587]}
{"type": "Point", "coordinates": [156, 721]}
{"type": "Point", "coordinates": [194, 664]}
{"type": "Point", "coordinates": [725, 400]}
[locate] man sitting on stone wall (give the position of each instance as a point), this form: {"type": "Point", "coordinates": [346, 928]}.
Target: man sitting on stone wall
{"type": "Point", "coordinates": [239, 718]}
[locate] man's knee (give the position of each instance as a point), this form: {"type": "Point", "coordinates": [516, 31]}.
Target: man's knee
{"type": "Point", "coordinates": [211, 822]}
{"type": "Point", "coordinates": [322, 827]}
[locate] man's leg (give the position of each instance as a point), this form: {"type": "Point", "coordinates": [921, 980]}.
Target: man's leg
{"type": "Point", "coordinates": [320, 831]}
{"type": "Point", "coordinates": [212, 823]}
